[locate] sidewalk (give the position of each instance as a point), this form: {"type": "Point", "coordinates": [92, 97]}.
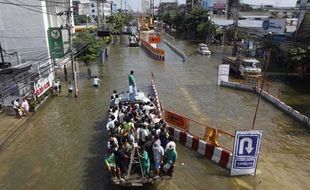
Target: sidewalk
{"type": "Point", "coordinates": [10, 126]}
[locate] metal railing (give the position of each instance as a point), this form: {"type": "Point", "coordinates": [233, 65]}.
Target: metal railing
{"type": "Point", "coordinates": [216, 137]}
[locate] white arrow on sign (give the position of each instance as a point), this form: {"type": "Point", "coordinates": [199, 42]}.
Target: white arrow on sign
{"type": "Point", "coordinates": [249, 148]}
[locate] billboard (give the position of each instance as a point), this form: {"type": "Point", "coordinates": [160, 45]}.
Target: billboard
{"type": "Point", "coordinates": [274, 25]}
{"type": "Point", "coordinates": [219, 4]}
{"type": "Point", "coordinates": [55, 42]}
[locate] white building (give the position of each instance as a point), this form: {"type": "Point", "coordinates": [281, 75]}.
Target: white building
{"type": "Point", "coordinates": [89, 7]}
{"type": "Point", "coordinates": [23, 29]}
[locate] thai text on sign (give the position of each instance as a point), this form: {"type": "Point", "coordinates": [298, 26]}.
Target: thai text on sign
{"type": "Point", "coordinates": [154, 39]}
{"type": "Point", "coordinates": [176, 120]}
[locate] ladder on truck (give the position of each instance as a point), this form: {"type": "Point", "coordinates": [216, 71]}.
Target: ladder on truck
{"type": "Point", "coordinates": [134, 160]}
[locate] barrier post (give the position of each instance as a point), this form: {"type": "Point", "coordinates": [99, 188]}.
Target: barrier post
{"type": "Point", "coordinates": [211, 136]}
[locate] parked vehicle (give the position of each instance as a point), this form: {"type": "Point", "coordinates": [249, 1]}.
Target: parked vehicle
{"type": "Point", "coordinates": [242, 65]}
{"type": "Point", "coordinates": [133, 41]}
{"type": "Point", "coordinates": [203, 49]}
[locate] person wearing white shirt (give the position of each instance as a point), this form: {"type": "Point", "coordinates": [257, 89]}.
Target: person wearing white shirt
{"type": "Point", "coordinates": [143, 134]}
{"type": "Point", "coordinates": [25, 106]}
{"type": "Point", "coordinates": [16, 107]}
{"type": "Point", "coordinates": [121, 116]}
{"type": "Point", "coordinates": [96, 82]}
{"type": "Point", "coordinates": [158, 152]}
{"type": "Point", "coordinates": [110, 125]}
{"type": "Point", "coordinates": [148, 107]}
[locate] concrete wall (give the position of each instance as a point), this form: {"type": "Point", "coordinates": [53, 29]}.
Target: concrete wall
{"type": "Point", "coordinates": [23, 30]}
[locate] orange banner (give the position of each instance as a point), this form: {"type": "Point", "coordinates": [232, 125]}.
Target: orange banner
{"type": "Point", "coordinates": [176, 120]}
{"type": "Point", "coordinates": [154, 39]}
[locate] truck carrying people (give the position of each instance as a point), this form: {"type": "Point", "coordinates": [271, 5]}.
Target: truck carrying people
{"type": "Point", "coordinates": [140, 150]}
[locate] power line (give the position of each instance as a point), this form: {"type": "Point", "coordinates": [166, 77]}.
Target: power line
{"type": "Point", "coordinates": [56, 2]}
{"type": "Point", "coordinates": [43, 72]}
{"type": "Point", "coordinates": [22, 37]}
{"type": "Point", "coordinates": [25, 7]}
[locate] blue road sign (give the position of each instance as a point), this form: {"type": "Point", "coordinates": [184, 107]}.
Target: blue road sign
{"type": "Point", "coordinates": [244, 163]}
{"type": "Point", "coordinates": [246, 151]}
{"type": "Point", "coordinates": [247, 144]}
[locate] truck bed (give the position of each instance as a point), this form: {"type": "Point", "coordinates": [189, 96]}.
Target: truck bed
{"type": "Point", "coordinates": [137, 180]}
{"type": "Point", "coordinates": [232, 61]}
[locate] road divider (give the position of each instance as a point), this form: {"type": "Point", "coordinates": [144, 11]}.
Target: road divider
{"type": "Point", "coordinates": [304, 120]}
{"type": "Point", "coordinates": [175, 49]}
{"type": "Point", "coordinates": [155, 53]}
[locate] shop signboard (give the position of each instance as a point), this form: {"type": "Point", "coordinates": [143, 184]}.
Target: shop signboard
{"type": "Point", "coordinates": [274, 25]}
{"type": "Point", "coordinates": [55, 42]}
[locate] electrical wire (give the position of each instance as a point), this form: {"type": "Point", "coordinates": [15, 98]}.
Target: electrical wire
{"type": "Point", "coordinates": [22, 37]}
{"type": "Point", "coordinates": [43, 72]}
{"type": "Point", "coordinates": [26, 7]}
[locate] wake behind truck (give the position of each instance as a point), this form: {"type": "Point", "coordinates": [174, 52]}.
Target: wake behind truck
{"type": "Point", "coordinates": [243, 66]}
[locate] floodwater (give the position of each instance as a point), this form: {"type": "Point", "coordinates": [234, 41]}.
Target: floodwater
{"type": "Point", "coordinates": [63, 144]}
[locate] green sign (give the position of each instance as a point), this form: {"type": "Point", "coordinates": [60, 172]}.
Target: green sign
{"type": "Point", "coordinates": [55, 42]}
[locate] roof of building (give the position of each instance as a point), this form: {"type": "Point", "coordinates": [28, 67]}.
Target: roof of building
{"type": "Point", "coordinates": [254, 14]}
{"type": "Point", "coordinates": [241, 23]}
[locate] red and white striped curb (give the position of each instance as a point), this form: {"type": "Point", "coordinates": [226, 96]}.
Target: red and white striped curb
{"type": "Point", "coordinates": [156, 97]}
{"type": "Point", "coordinates": [220, 156]}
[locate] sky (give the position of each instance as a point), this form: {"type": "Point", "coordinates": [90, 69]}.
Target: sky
{"type": "Point", "coordinates": [136, 4]}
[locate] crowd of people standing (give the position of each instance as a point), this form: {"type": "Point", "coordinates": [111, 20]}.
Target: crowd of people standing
{"type": "Point", "coordinates": [135, 125]}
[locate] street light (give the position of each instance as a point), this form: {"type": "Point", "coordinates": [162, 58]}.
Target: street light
{"type": "Point", "coordinates": [86, 21]}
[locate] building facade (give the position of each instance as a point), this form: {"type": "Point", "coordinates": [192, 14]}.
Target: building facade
{"type": "Point", "coordinates": [303, 25]}
{"type": "Point", "coordinates": [89, 7]}
{"type": "Point", "coordinates": [24, 39]}
{"type": "Point", "coordinates": [167, 6]}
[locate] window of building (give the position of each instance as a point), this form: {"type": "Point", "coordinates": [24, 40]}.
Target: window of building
{"type": "Point", "coordinates": [93, 10]}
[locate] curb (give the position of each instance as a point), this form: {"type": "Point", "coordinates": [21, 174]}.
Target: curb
{"type": "Point", "coordinates": [216, 154]}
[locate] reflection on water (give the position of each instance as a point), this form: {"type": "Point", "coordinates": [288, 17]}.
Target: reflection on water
{"type": "Point", "coordinates": [64, 143]}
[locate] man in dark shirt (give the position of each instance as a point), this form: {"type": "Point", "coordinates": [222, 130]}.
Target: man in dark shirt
{"type": "Point", "coordinates": [120, 160]}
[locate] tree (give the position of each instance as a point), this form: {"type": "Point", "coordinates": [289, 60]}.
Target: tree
{"type": "Point", "coordinates": [89, 46]}
{"type": "Point", "coordinates": [195, 24]}
{"type": "Point", "coordinates": [245, 7]}
{"type": "Point", "coordinates": [118, 20]}
{"type": "Point", "coordinates": [298, 59]}
{"type": "Point", "coordinates": [81, 19]}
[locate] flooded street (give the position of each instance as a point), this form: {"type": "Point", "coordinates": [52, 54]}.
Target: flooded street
{"type": "Point", "coordinates": [63, 144]}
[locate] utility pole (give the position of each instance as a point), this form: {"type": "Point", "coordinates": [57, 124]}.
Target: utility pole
{"type": "Point", "coordinates": [192, 4]}
{"type": "Point", "coordinates": [121, 5]}
{"type": "Point", "coordinates": [151, 14]}
{"type": "Point", "coordinates": [125, 7]}
{"type": "Point", "coordinates": [73, 65]}
{"type": "Point", "coordinates": [2, 59]}
{"type": "Point", "coordinates": [98, 16]}
{"type": "Point", "coordinates": [261, 87]}
{"type": "Point", "coordinates": [236, 18]}
{"type": "Point", "coordinates": [103, 16]}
